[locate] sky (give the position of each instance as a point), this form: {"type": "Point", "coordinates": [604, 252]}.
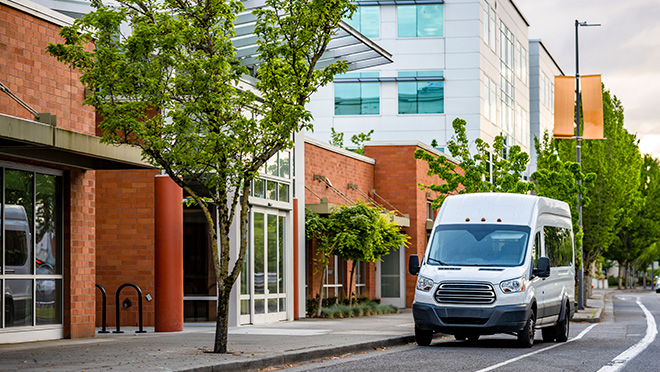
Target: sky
{"type": "Point", "coordinates": [625, 50]}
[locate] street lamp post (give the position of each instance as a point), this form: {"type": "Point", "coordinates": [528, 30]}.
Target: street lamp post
{"type": "Point", "coordinates": [578, 148]}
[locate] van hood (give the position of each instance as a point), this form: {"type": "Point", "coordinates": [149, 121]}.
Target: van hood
{"type": "Point", "coordinates": [490, 274]}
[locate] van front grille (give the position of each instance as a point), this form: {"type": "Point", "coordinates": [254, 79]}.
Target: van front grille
{"type": "Point", "coordinates": [465, 293]}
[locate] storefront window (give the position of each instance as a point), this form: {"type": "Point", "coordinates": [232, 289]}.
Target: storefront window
{"type": "Point", "coordinates": [31, 278]}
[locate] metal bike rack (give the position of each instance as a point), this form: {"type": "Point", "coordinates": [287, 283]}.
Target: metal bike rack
{"type": "Point", "coordinates": [103, 323]}
{"type": "Point", "coordinates": [139, 292]}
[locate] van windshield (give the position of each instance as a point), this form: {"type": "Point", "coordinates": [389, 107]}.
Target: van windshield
{"type": "Point", "coordinates": [479, 245]}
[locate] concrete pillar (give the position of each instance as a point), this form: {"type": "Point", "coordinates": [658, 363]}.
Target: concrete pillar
{"type": "Point", "coordinates": [169, 255]}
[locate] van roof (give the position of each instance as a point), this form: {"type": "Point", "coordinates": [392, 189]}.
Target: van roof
{"type": "Point", "coordinates": [15, 212]}
{"type": "Point", "coordinates": [510, 209]}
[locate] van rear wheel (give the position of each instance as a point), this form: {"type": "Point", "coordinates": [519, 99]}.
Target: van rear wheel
{"type": "Point", "coordinates": [423, 337]}
{"type": "Point", "coordinates": [562, 328]}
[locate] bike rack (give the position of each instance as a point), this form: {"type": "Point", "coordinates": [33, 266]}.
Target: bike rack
{"type": "Point", "coordinates": [103, 313]}
{"type": "Point", "coordinates": [139, 292]}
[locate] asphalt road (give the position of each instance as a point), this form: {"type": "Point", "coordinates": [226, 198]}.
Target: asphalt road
{"type": "Point", "coordinates": [624, 341]}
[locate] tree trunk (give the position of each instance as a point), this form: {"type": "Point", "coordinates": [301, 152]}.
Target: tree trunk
{"type": "Point", "coordinates": [620, 281]}
{"type": "Point", "coordinates": [222, 322]}
{"type": "Point", "coordinates": [350, 285]}
{"type": "Point", "coordinates": [318, 309]}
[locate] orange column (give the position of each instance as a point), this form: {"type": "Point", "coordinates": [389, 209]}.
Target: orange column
{"type": "Point", "coordinates": [169, 255]}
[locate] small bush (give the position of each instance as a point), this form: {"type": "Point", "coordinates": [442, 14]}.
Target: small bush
{"type": "Point", "coordinates": [359, 309]}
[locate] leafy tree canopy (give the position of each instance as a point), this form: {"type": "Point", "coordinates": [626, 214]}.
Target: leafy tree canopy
{"type": "Point", "coordinates": [472, 173]}
{"type": "Point", "coordinates": [175, 88]}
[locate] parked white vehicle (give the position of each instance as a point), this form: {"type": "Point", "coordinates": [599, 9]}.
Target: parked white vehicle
{"type": "Point", "coordinates": [496, 263]}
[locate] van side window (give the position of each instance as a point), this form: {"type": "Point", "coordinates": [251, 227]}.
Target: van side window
{"type": "Point", "coordinates": [16, 248]}
{"type": "Point", "coordinates": [559, 245]}
{"type": "Point", "coordinates": [536, 251]}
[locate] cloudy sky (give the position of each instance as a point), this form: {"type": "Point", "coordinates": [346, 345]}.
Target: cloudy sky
{"type": "Point", "coordinates": [625, 50]}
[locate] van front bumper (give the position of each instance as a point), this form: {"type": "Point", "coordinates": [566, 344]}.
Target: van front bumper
{"type": "Point", "coordinates": [471, 320]}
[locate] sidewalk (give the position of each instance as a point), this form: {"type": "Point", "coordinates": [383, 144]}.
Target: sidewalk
{"type": "Point", "coordinates": [250, 347]}
{"type": "Point", "coordinates": [593, 311]}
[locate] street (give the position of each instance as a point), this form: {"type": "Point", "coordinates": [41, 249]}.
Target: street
{"type": "Point", "coordinates": [624, 341]}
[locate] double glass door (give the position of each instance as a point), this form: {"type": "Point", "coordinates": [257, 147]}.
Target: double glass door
{"type": "Point", "coordinates": [263, 288]}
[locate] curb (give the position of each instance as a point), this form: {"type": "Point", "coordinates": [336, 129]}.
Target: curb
{"type": "Point", "coordinates": [301, 356]}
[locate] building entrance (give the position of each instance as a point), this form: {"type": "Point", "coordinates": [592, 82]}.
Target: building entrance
{"type": "Point", "coordinates": [263, 291]}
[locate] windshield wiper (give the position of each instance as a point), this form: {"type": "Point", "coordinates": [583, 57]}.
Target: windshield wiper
{"type": "Point", "coordinates": [438, 261]}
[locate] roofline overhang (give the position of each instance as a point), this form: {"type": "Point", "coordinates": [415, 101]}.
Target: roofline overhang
{"type": "Point", "coordinates": [42, 142]}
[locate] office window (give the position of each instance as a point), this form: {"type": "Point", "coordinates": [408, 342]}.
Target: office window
{"type": "Point", "coordinates": [507, 96]}
{"type": "Point", "coordinates": [420, 20]}
{"type": "Point", "coordinates": [357, 98]}
{"type": "Point", "coordinates": [421, 97]}
{"type": "Point", "coordinates": [366, 19]}
{"type": "Point", "coordinates": [521, 65]}
{"type": "Point", "coordinates": [490, 100]}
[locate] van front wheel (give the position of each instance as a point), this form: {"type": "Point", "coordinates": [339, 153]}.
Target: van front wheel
{"type": "Point", "coordinates": [423, 337]}
{"type": "Point", "coordinates": [526, 335]}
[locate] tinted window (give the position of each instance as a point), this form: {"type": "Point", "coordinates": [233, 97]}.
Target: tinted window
{"type": "Point", "coordinates": [558, 245]}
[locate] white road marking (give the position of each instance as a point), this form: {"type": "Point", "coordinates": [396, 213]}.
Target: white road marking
{"type": "Point", "coordinates": [537, 351]}
{"type": "Point", "coordinates": [623, 358]}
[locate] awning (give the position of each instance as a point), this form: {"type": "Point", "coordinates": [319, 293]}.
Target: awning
{"type": "Point", "coordinates": [347, 43]}
{"type": "Point", "coordinates": [32, 140]}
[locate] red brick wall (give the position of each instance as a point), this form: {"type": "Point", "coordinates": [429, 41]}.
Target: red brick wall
{"type": "Point", "coordinates": [397, 178]}
{"type": "Point", "coordinates": [80, 252]}
{"type": "Point", "coordinates": [37, 78]}
{"type": "Point", "coordinates": [125, 242]}
{"type": "Point", "coordinates": [340, 170]}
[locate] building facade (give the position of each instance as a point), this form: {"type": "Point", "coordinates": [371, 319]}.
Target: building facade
{"type": "Point", "coordinates": [542, 70]}
{"type": "Point", "coordinates": [49, 159]}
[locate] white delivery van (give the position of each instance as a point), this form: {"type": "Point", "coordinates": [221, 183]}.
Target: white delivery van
{"type": "Point", "coordinates": [496, 263]}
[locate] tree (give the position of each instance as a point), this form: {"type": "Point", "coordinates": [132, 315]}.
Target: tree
{"type": "Point", "coordinates": [616, 162]}
{"type": "Point", "coordinates": [636, 243]}
{"type": "Point", "coordinates": [363, 234]}
{"type": "Point", "coordinates": [357, 232]}
{"type": "Point", "coordinates": [558, 179]}
{"type": "Point", "coordinates": [337, 140]}
{"type": "Point", "coordinates": [175, 88]}
{"type": "Point", "coordinates": [317, 228]}
{"type": "Point", "coordinates": [472, 174]}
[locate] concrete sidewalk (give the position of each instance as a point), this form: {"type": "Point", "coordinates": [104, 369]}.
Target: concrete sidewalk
{"type": "Point", "coordinates": [250, 347]}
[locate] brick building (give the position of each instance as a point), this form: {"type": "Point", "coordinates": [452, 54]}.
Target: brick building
{"type": "Point", "coordinates": [389, 174]}
{"type": "Point", "coordinates": [50, 162]}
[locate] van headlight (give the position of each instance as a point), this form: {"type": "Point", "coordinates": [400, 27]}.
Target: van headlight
{"type": "Point", "coordinates": [424, 284]}
{"type": "Point", "coordinates": [512, 285]}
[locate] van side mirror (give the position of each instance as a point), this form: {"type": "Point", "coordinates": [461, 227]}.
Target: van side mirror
{"type": "Point", "coordinates": [413, 264]}
{"type": "Point", "coordinates": [542, 268]}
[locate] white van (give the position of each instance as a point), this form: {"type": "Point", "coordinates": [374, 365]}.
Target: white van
{"type": "Point", "coordinates": [496, 263]}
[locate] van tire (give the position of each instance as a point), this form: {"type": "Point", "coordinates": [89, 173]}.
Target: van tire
{"type": "Point", "coordinates": [526, 335]}
{"type": "Point", "coordinates": [562, 328]}
{"type": "Point", "coordinates": [423, 337]}
{"type": "Point", "coordinates": [460, 337]}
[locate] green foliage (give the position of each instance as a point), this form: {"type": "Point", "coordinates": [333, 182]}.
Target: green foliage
{"type": "Point", "coordinates": [614, 198]}
{"type": "Point", "coordinates": [561, 180]}
{"type": "Point", "coordinates": [472, 174]}
{"type": "Point", "coordinates": [337, 140]}
{"type": "Point", "coordinates": [175, 88]}
{"type": "Point", "coordinates": [357, 310]}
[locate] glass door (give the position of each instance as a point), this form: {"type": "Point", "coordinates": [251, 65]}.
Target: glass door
{"type": "Point", "coordinates": [263, 293]}
{"type": "Point", "coordinates": [392, 281]}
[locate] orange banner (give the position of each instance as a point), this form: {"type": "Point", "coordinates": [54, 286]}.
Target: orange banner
{"type": "Point", "coordinates": [592, 106]}
{"type": "Point", "coordinates": [564, 107]}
